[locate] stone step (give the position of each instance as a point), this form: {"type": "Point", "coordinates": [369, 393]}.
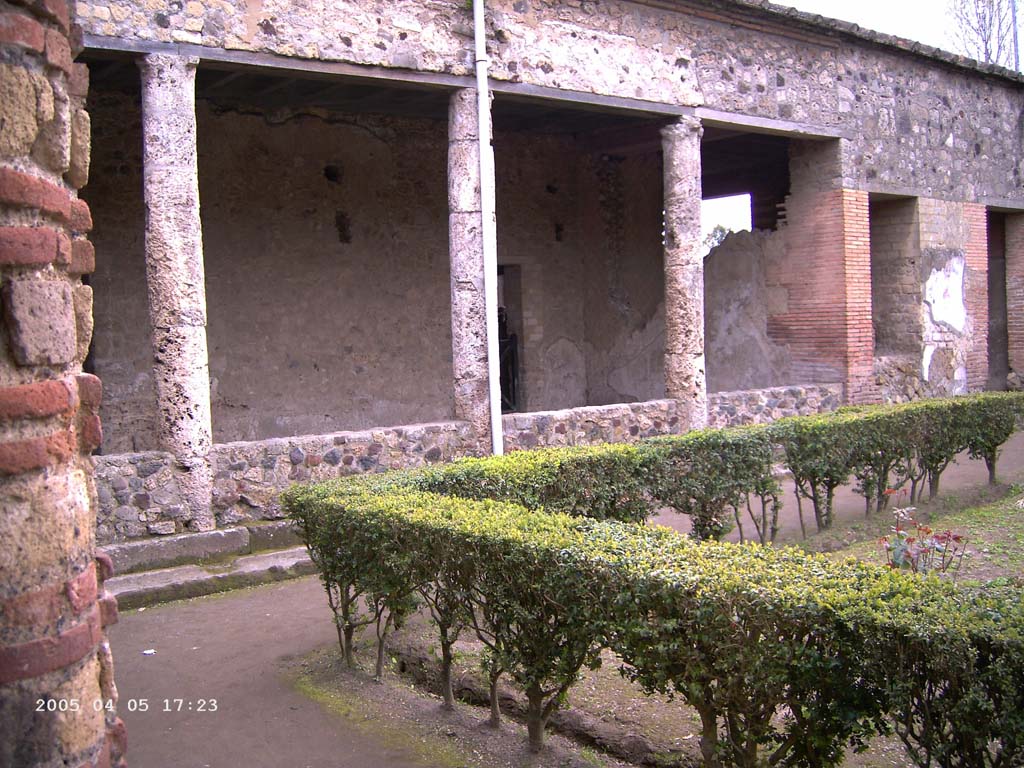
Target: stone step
{"type": "Point", "coordinates": [135, 590]}
{"type": "Point", "coordinates": [209, 547]}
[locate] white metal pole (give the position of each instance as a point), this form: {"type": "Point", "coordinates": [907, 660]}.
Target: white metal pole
{"type": "Point", "coordinates": [488, 226]}
{"type": "Point", "coordinates": [1016, 47]}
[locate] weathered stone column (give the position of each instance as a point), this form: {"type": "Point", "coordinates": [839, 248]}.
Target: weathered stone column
{"type": "Point", "coordinates": [174, 273]}
{"type": "Point", "coordinates": [466, 257]}
{"type": "Point", "coordinates": [684, 272]}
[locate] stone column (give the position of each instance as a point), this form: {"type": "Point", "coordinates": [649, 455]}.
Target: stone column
{"type": "Point", "coordinates": [174, 274]}
{"type": "Point", "coordinates": [466, 257]}
{"type": "Point", "coordinates": [684, 273]}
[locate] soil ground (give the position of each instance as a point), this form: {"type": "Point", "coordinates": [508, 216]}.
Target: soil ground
{"type": "Point", "coordinates": [269, 657]}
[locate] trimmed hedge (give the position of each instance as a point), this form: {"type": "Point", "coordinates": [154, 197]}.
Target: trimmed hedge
{"type": "Point", "coordinates": [788, 658]}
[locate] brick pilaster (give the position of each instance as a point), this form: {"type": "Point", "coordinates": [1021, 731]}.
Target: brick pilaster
{"type": "Point", "coordinates": [826, 274]}
{"type": "Point", "coordinates": [976, 294]}
{"type": "Point", "coordinates": [52, 607]}
{"type": "Point", "coordinates": [1015, 290]}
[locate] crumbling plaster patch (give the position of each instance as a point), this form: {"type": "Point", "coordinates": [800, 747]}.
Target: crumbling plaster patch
{"type": "Point", "coordinates": [944, 294]}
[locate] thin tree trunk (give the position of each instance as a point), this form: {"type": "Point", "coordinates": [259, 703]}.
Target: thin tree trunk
{"type": "Point", "coordinates": [447, 694]}
{"type": "Point", "coordinates": [990, 463]}
{"type": "Point", "coordinates": [800, 511]}
{"type": "Point", "coordinates": [535, 720]}
{"type": "Point", "coordinates": [933, 485]}
{"type": "Point", "coordinates": [349, 633]}
{"type": "Point", "coordinates": [381, 639]}
{"type": "Point", "coordinates": [709, 737]}
{"type": "Point", "coordinates": [495, 719]}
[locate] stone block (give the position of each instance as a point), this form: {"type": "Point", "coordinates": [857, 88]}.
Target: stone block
{"type": "Point", "coordinates": [151, 554]}
{"type": "Point", "coordinates": [21, 125]}
{"type": "Point", "coordinates": [52, 148]}
{"type": "Point", "coordinates": [41, 322]}
{"type": "Point", "coordinates": [82, 302]}
{"type": "Point", "coordinates": [78, 168]}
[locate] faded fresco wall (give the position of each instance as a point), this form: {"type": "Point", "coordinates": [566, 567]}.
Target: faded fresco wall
{"type": "Point", "coordinates": [326, 260]}
{"type": "Point", "coordinates": [952, 310]}
{"type": "Point", "coordinates": [624, 273]}
{"type": "Point", "coordinates": [326, 252]}
{"type": "Point", "coordinates": [325, 247]}
{"type": "Point", "coordinates": [738, 301]}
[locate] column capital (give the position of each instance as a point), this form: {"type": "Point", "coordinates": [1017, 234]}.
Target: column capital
{"type": "Point", "coordinates": [154, 64]}
{"type": "Point", "coordinates": [682, 127]}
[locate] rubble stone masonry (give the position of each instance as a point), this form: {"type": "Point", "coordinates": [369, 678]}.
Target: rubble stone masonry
{"type": "Point", "coordinates": [56, 671]}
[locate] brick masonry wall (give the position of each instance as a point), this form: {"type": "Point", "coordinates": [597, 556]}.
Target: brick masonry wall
{"type": "Point", "coordinates": [1015, 294]}
{"type": "Point", "coordinates": [824, 275]}
{"type": "Point", "coordinates": [976, 295]}
{"type": "Point", "coordinates": [52, 602]}
{"type": "Point", "coordinates": [139, 494]}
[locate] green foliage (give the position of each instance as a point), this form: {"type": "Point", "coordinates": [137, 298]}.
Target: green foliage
{"type": "Point", "coordinates": [602, 482]}
{"type": "Point", "coordinates": [820, 452]}
{"type": "Point", "coordinates": [712, 473]}
{"type": "Point", "coordinates": [789, 659]}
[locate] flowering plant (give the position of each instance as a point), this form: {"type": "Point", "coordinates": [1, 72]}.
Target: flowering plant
{"type": "Point", "coordinates": [921, 549]}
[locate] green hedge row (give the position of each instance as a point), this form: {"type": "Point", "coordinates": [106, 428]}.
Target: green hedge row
{"type": "Point", "coordinates": [715, 475]}
{"type": "Point", "coordinates": [788, 658]}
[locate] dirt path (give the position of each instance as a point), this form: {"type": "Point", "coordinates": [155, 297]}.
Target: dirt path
{"type": "Point", "coordinates": [234, 648]}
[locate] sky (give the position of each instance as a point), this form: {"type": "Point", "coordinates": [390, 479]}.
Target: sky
{"type": "Point", "coordinates": [926, 21]}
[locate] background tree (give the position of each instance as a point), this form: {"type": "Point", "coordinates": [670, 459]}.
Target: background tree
{"type": "Point", "coordinates": [986, 30]}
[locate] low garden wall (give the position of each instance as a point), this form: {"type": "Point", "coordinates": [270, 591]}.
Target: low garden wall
{"type": "Point", "coordinates": [763, 406]}
{"type": "Point", "coordinates": [139, 493]}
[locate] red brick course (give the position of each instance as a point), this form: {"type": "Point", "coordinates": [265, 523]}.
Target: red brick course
{"type": "Point", "coordinates": [58, 51]}
{"type": "Point", "coordinates": [83, 258]}
{"type": "Point", "coordinates": [22, 31]}
{"type": "Point", "coordinates": [33, 246]}
{"type": "Point", "coordinates": [19, 456]}
{"type": "Point", "coordinates": [36, 401]}
{"type": "Point", "coordinates": [45, 605]}
{"type": "Point", "coordinates": [26, 191]}
{"type": "Point", "coordinates": [48, 654]}
{"type": "Point", "coordinates": [81, 217]}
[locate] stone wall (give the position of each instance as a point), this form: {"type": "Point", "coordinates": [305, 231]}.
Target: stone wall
{"type": "Point", "coordinates": [761, 406]}
{"type": "Point", "coordinates": [620, 423]}
{"type": "Point", "coordinates": [53, 604]}
{"type": "Point", "coordinates": [912, 122]}
{"type": "Point", "coordinates": [139, 494]}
